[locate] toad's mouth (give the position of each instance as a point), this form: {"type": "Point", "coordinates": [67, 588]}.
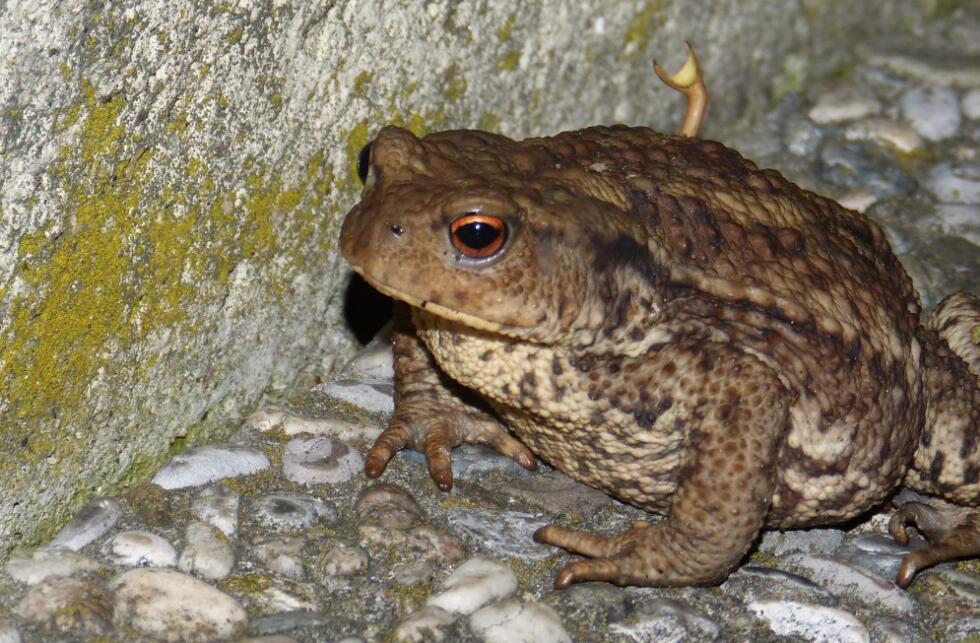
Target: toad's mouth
{"type": "Point", "coordinates": [435, 308]}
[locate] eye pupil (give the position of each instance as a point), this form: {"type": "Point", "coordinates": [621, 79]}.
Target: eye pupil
{"type": "Point", "coordinates": [364, 162]}
{"type": "Point", "coordinates": [478, 236]}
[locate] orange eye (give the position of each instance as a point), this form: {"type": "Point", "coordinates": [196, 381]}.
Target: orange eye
{"type": "Point", "coordinates": [478, 236]}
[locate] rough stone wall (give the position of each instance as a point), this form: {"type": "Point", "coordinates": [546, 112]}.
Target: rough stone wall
{"type": "Point", "coordinates": [174, 173]}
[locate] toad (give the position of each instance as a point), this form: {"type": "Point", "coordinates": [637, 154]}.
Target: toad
{"type": "Point", "coordinates": [659, 318]}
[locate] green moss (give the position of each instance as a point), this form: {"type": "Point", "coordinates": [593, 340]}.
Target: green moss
{"type": "Point", "coordinates": [490, 122]}
{"type": "Point", "coordinates": [361, 82]}
{"type": "Point", "coordinates": [455, 84]}
{"type": "Point", "coordinates": [642, 27]}
{"type": "Point", "coordinates": [235, 35]}
{"type": "Point", "coordinates": [509, 61]}
{"type": "Point", "coordinates": [505, 31]}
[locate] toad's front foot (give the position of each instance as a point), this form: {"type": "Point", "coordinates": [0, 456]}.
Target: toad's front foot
{"type": "Point", "coordinates": [425, 424]}
{"type": "Point", "coordinates": [953, 532]}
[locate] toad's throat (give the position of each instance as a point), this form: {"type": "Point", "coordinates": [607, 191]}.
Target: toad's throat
{"type": "Point", "coordinates": [435, 308]}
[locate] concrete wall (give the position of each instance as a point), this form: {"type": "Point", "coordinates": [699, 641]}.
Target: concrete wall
{"type": "Point", "coordinates": [174, 173]}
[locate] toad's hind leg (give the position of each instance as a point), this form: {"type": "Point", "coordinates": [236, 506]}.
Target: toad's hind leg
{"type": "Point", "coordinates": [724, 490]}
{"type": "Point", "coordinates": [947, 460]}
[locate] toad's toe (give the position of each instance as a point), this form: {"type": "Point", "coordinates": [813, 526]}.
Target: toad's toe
{"type": "Point", "coordinates": [953, 532]}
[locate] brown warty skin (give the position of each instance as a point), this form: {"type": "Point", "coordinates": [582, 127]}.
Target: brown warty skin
{"type": "Point", "coordinates": [660, 319]}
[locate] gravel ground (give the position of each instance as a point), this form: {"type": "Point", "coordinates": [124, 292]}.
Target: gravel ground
{"type": "Point", "coordinates": [278, 536]}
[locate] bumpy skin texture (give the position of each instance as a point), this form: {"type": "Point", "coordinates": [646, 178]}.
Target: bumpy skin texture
{"type": "Point", "coordinates": [671, 324]}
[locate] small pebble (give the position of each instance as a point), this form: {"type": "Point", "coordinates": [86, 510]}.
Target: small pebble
{"type": "Point", "coordinates": [271, 416]}
{"type": "Point", "coordinates": [510, 621]}
{"type": "Point", "coordinates": [207, 553]}
{"type": "Point", "coordinates": [341, 559]}
{"type": "Point", "coordinates": [413, 545]}
{"type": "Point", "coordinates": [473, 584]}
{"type": "Point", "coordinates": [88, 525]}
{"type": "Point", "coordinates": [67, 605]}
{"type": "Point", "coordinates": [320, 460]}
{"type": "Point", "coordinates": [375, 360]}
{"type": "Point", "coordinates": [292, 510]}
{"type": "Point", "coordinates": [840, 577]}
{"type": "Point", "coordinates": [171, 606]}
{"type": "Point", "coordinates": [9, 633]}
{"type": "Point", "coordinates": [664, 619]}
{"type": "Point", "coordinates": [372, 395]}
{"type": "Point", "coordinates": [895, 630]}
{"type": "Point", "coordinates": [218, 505]}
{"type": "Point", "coordinates": [813, 623]}
{"type": "Point", "coordinates": [955, 182]}
{"type": "Point", "coordinates": [426, 624]}
{"type": "Point", "coordinates": [276, 599]}
{"type": "Point", "coordinates": [750, 582]}
{"type": "Point", "coordinates": [508, 533]}
{"type": "Point", "coordinates": [201, 465]}
{"type": "Point", "coordinates": [971, 104]}
{"type": "Point", "coordinates": [469, 461]}
{"type": "Point", "coordinates": [139, 549]}
{"type": "Point", "coordinates": [898, 135]}
{"type": "Point", "coordinates": [934, 112]}
{"type": "Point", "coordinates": [554, 493]}
{"type": "Point", "coordinates": [859, 199]}
{"type": "Point", "coordinates": [843, 103]}
{"type": "Point", "coordinates": [387, 505]}
{"type": "Point", "coordinates": [780, 543]}
{"type": "Point", "coordinates": [285, 621]}
{"type": "Point", "coordinates": [282, 555]}
{"type": "Point", "coordinates": [48, 562]}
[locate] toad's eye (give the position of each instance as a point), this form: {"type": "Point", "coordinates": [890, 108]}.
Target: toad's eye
{"type": "Point", "coordinates": [364, 162]}
{"type": "Point", "coordinates": [478, 236]}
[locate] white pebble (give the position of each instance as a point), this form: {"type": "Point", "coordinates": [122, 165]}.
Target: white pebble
{"type": "Point", "coordinates": [282, 555]}
{"type": "Point", "coordinates": [934, 112]}
{"type": "Point", "coordinates": [201, 465]}
{"type": "Point", "coordinates": [218, 505]}
{"type": "Point", "coordinates": [512, 621]}
{"type": "Point", "coordinates": [268, 417]}
{"type": "Point", "coordinates": [320, 460]}
{"type": "Point", "coordinates": [813, 623]}
{"type": "Point", "coordinates": [843, 103]}
{"type": "Point", "coordinates": [884, 130]}
{"type": "Point", "coordinates": [971, 104]}
{"type": "Point", "coordinates": [166, 604]}
{"type": "Point", "coordinates": [864, 585]}
{"type": "Point", "coordinates": [89, 524]}
{"type": "Point", "coordinates": [372, 395]}
{"type": "Point", "coordinates": [275, 599]}
{"type": "Point", "coordinates": [374, 360]}
{"type": "Point", "coordinates": [9, 633]}
{"type": "Point", "coordinates": [140, 549]}
{"type": "Point", "coordinates": [426, 624]}
{"type": "Point", "coordinates": [48, 562]}
{"type": "Point", "coordinates": [272, 416]}
{"type": "Point", "coordinates": [859, 199]}
{"type": "Point", "coordinates": [473, 584]}
{"type": "Point", "coordinates": [955, 182]}
{"type": "Point", "coordinates": [292, 510]}
{"type": "Point", "coordinates": [207, 554]}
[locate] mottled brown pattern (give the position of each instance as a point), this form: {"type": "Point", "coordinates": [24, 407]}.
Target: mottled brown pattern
{"type": "Point", "coordinates": [671, 324]}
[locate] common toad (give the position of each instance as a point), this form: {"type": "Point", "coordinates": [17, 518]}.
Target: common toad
{"type": "Point", "coordinates": [659, 318]}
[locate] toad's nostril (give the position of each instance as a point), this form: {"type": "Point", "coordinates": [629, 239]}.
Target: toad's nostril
{"type": "Point", "coordinates": [397, 230]}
